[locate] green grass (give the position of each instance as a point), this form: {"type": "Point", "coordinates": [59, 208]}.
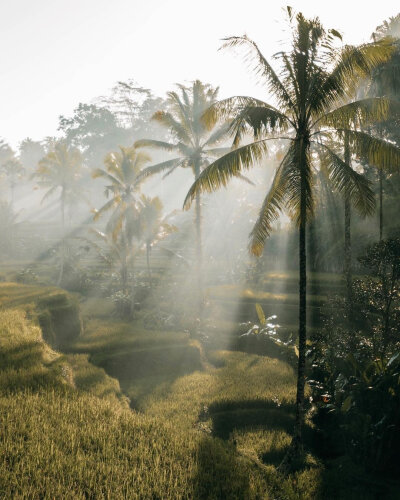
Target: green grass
{"type": "Point", "coordinates": [208, 424]}
{"type": "Point", "coordinates": [54, 310]}
{"type": "Point", "coordinates": [67, 432]}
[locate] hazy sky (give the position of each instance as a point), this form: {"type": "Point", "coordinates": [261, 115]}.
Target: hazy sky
{"type": "Point", "coordinates": [57, 53]}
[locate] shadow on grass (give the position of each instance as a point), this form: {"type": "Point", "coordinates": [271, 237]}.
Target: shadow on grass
{"type": "Point", "coordinates": [177, 360]}
{"type": "Point", "coordinates": [236, 415]}
{"type": "Point", "coordinates": [220, 473]}
{"type": "Point", "coordinates": [23, 368]}
{"type": "Point", "coordinates": [24, 356]}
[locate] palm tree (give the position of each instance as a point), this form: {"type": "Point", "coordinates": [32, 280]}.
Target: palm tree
{"type": "Point", "coordinates": [385, 81]}
{"type": "Point", "coordinates": [114, 252]}
{"type": "Point", "coordinates": [311, 89]}
{"type": "Point", "coordinates": [14, 170]}
{"type": "Point", "coordinates": [11, 166]}
{"type": "Point", "coordinates": [154, 227]}
{"type": "Point", "coordinates": [122, 172]}
{"type": "Point", "coordinates": [8, 224]}
{"type": "Point", "coordinates": [194, 144]}
{"type": "Point", "coordinates": [59, 171]}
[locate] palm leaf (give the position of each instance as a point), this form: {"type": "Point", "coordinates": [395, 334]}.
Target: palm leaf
{"type": "Point", "coordinates": [107, 206]}
{"type": "Point", "coordinates": [262, 68]}
{"type": "Point", "coordinates": [168, 121]}
{"type": "Point", "coordinates": [230, 165]}
{"type": "Point", "coordinates": [158, 168]}
{"type": "Point", "coordinates": [218, 134]}
{"type": "Point", "coordinates": [352, 64]}
{"type": "Point", "coordinates": [273, 204]}
{"type": "Point", "coordinates": [258, 120]}
{"type": "Point", "coordinates": [144, 143]}
{"type": "Point", "coordinates": [347, 181]}
{"type": "Point", "coordinates": [375, 151]}
{"type": "Point", "coordinates": [364, 111]}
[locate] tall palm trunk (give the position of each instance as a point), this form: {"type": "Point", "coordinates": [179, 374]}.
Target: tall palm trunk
{"type": "Point", "coordinates": [124, 265]}
{"type": "Point", "coordinates": [199, 249]}
{"type": "Point", "coordinates": [380, 204]}
{"type": "Point", "coordinates": [12, 193]}
{"type": "Point", "coordinates": [347, 231]}
{"type": "Point", "coordinates": [299, 421]}
{"type": "Point", "coordinates": [62, 247]}
{"type": "Point", "coordinates": [148, 248]}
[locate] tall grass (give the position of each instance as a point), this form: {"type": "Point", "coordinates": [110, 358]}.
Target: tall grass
{"type": "Point", "coordinates": [67, 432]}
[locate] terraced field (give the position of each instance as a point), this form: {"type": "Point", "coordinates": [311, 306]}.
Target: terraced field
{"type": "Point", "coordinates": [131, 412]}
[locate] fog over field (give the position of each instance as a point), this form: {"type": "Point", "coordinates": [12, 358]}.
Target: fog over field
{"type": "Point", "coordinates": [199, 250]}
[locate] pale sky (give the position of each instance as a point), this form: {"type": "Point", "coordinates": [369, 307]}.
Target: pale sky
{"type": "Point", "coordinates": [57, 53]}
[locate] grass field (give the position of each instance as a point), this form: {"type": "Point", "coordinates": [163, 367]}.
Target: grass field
{"type": "Point", "coordinates": [208, 424]}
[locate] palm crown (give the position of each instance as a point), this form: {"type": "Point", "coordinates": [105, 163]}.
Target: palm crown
{"type": "Point", "coordinates": [192, 141]}
{"type": "Point", "coordinates": [60, 169]}
{"type": "Point", "coordinates": [313, 93]}
{"type": "Point", "coordinates": [123, 171]}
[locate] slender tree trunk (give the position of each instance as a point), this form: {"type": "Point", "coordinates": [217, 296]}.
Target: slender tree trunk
{"type": "Point", "coordinates": [148, 247]}
{"type": "Point", "coordinates": [199, 250]}
{"type": "Point", "coordinates": [12, 236]}
{"type": "Point", "coordinates": [347, 231]}
{"type": "Point", "coordinates": [380, 204]}
{"type": "Point", "coordinates": [62, 247]}
{"type": "Point", "coordinates": [347, 247]}
{"type": "Point", "coordinates": [124, 267]}
{"type": "Point", "coordinates": [297, 443]}
{"type": "Point", "coordinates": [12, 194]}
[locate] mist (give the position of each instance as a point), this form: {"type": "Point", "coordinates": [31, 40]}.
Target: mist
{"type": "Point", "coordinates": [200, 253]}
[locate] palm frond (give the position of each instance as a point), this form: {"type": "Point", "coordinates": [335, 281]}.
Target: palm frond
{"type": "Point", "coordinates": [346, 180]}
{"type": "Point", "coordinates": [262, 68]}
{"type": "Point", "coordinates": [362, 112]}
{"type": "Point", "coordinates": [177, 129]}
{"type": "Point", "coordinates": [377, 152]}
{"type": "Point", "coordinates": [217, 135]}
{"type": "Point", "coordinates": [230, 165]}
{"type": "Point", "coordinates": [217, 152]}
{"type": "Point", "coordinates": [246, 179]}
{"type": "Point", "coordinates": [158, 168]}
{"type": "Point", "coordinates": [226, 109]}
{"type": "Point", "coordinates": [270, 210]}
{"type": "Point", "coordinates": [99, 172]}
{"type": "Point", "coordinates": [49, 193]}
{"type": "Point", "coordinates": [149, 143]}
{"type": "Point", "coordinates": [353, 63]}
{"type": "Point", "coordinates": [107, 206]}
{"type": "Point", "coordinates": [260, 121]}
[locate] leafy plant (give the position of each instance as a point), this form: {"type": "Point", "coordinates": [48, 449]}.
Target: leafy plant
{"type": "Point", "coordinates": [263, 338]}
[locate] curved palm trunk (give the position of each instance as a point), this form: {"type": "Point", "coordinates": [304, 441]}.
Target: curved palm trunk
{"type": "Point", "coordinates": [62, 248]}
{"type": "Point", "coordinates": [347, 232]}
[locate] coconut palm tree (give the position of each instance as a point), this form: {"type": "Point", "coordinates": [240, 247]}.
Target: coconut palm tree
{"type": "Point", "coordinates": [154, 226]}
{"type": "Point", "coordinates": [311, 91]}
{"type": "Point", "coordinates": [122, 172]}
{"type": "Point", "coordinates": [385, 82]}
{"type": "Point", "coordinates": [59, 171]}
{"type": "Point", "coordinates": [14, 170]}
{"type": "Point", "coordinates": [195, 146]}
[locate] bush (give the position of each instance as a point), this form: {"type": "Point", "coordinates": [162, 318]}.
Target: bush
{"type": "Point", "coordinates": [355, 366]}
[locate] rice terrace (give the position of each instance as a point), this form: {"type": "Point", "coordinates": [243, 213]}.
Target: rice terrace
{"type": "Point", "coordinates": [200, 250]}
